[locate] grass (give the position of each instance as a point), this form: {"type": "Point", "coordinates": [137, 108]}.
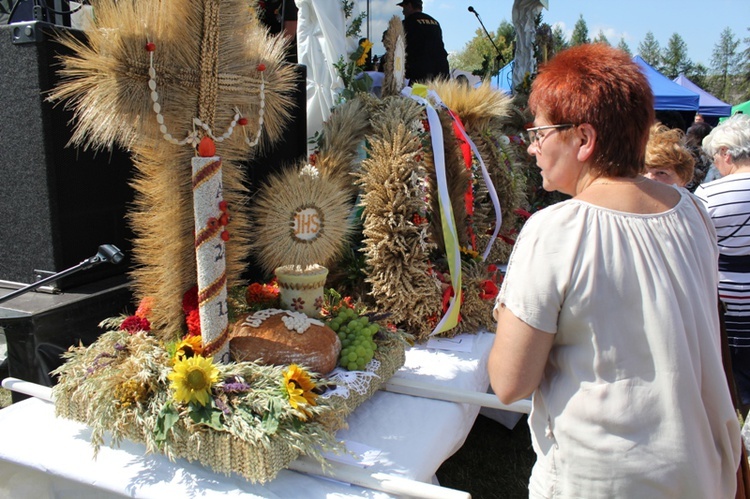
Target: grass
{"type": "Point", "coordinates": [493, 463]}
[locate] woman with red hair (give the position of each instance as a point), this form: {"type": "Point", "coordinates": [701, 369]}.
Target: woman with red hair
{"type": "Point", "coordinates": [608, 311]}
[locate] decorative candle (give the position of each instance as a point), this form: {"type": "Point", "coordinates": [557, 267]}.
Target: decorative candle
{"type": "Point", "coordinates": [211, 218]}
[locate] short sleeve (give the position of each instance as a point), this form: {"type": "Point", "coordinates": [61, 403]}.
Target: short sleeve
{"type": "Point", "coordinates": [540, 267]}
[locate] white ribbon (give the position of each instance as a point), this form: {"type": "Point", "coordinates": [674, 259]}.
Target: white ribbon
{"type": "Point", "coordinates": [485, 175]}
{"type": "Point", "coordinates": [450, 318]}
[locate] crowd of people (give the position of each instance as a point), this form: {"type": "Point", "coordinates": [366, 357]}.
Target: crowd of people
{"type": "Point", "coordinates": [609, 311]}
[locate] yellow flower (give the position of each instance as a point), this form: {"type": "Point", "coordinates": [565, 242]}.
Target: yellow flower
{"type": "Point", "coordinates": [130, 392]}
{"type": "Point", "coordinates": [299, 387]}
{"type": "Point", "coordinates": [469, 252]}
{"type": "Point", "coordinates": [193, 378]}
{"type": "Point", "coordinates": [366, 46]}
{"type": "Point", "coordinates": [190, 346]}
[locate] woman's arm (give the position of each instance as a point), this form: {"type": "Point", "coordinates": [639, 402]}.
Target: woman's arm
{"type": "Point", "coordinates": [517, 358]}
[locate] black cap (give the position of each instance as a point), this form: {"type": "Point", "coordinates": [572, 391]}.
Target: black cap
{"type": "Point", "coordinates": [414, 3]}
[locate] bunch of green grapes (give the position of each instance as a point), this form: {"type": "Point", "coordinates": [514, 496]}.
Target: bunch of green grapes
{"type": "Point", "coordinates": [355, 333]}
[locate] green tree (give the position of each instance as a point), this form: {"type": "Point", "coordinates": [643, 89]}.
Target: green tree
{"type": "Point", "coordinates": [601, 38]}
{"type": "Point", "coordinates": [674, 58]}
{"type": "Point", "coordinates": [744, 67]}
{"type": "Point", "coordinates": [580, 32]}
{"type": "Point", "coordinates": [479, 56]}
{"type": "Point", "coordinates": [698, 74]}
{"type": "Point", "coordinates": [624, 46]}
{"type": "Point", "coordinates": [725, 61]}
{"type": "Point", "coordinates": [649, 50]}
{"type": "Point", "coordinates": [559, 43]}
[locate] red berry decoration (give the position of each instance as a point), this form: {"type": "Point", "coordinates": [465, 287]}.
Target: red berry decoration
{"type": "Point", "coordinates": [206, 148]}
{"type": "Point", "coordinates": [213, 223]}
{"type": "Point", "coordinates": [225, 236]}
{"type": "Point", "coordinates": [223, 205]}
{"type": "Point", "coordinates": [261, 67]}
{"type": "Point", "coordinates": [150, 47]}
{"type": "Point", "coordinates": [242, 121]}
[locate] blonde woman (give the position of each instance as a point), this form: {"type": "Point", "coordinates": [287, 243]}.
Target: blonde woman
{"type": "Point", "coordinates": [668, 160]}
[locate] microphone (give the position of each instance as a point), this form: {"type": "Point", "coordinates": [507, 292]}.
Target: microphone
{"type": "Point", "coordinates": [499, 57]}
{"type": "Point", "coordinates": [109, 253]}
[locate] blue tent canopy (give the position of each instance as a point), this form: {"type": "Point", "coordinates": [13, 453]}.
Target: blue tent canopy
{"type": "Point", "coordinates": [708, 105]}
{"type": "Point", "coordinates": [668, 95]}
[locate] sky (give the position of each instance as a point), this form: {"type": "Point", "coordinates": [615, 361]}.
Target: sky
{"type": "Point", "coordinates": [699, 23]}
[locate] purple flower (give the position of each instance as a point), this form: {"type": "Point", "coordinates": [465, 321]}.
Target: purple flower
{"type": "Point", "coordinates": [239, 387]}
{"type": "Point", "coordinates": [222, 406]}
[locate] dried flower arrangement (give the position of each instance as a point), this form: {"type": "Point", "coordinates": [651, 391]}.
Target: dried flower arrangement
{"type": "Point", "coordinates": [240, 417]}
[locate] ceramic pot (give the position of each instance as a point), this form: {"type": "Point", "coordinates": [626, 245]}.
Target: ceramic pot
{"type": "Point", "coordinates": [302, 290]}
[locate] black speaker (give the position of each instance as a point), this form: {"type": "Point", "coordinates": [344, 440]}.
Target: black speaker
{"type": "Point", "coordinates": [39, 327]}
{"type": "Point", "coordinates": [58, 204]}
{"type": "Point", "coordinates": [50, 11]}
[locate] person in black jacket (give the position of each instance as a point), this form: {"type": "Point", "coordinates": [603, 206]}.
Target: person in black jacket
{"type": "Point", "coordinates": [426, 57]}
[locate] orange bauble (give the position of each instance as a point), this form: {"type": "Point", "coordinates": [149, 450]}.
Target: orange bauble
{"type": "Point", "coordinates": [206, 148]}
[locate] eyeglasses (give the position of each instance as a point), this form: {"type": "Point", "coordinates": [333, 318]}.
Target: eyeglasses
{"type": "Point", "coordinates": [536, 138]}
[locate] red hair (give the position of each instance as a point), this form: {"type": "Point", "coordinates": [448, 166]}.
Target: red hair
{"type": "Point", "coordinates": [601, 86]}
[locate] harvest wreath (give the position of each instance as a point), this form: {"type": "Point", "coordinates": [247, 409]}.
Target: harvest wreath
{"type": "Point", "coordinates": [406, 264]}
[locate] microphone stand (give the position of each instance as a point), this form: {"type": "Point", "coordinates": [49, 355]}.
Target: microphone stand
{"type": "Point", "coordinates": [106, 253]}
{"type": "Point", "coordinates": [499, 58]}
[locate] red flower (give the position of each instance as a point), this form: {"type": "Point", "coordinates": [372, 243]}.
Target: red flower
{"type": "Point", "coordinates": [507, 239]}
{"type": "Point", "coordinates": [489, 290]}
{"type": "Point", "coordinates": [521, 212]}
{"type": "Point", "coordinates": [447, 294]}
{"type": "Point", "coordinates": [133, 324]}
{"type": "Point", "coordinates": [265, 295]}
{"type": "Point", "coordinates": [190, 300]}
{"type": "Point", "coordinates": [193, 321]}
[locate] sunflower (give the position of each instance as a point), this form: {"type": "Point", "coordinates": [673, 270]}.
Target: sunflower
{"type": "Point", "coordinates": [192, 379]}
{"type": "Point", "coordinates": [299, 387]}
{"type": "Point", "coordinates": [364, 48]}
{"type": "Point", "coordinates": [190, 346]}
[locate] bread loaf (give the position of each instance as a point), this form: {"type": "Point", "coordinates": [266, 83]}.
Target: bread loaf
{"type": "Point", "coordinates": [282, 337]}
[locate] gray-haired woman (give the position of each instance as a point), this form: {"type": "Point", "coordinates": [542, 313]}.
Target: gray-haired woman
{"type": "Point", "coordinates": [728, 202]}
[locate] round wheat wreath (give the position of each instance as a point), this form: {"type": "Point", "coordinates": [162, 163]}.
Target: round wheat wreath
{"type": "Point", "coordinates": [277, 204]}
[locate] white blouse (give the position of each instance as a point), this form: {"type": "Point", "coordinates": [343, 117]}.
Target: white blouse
{"type": "Point", "coordinates": [634, 401]}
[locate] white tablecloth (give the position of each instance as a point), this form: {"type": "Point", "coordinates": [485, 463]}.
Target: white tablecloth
{"type": "Point", "coordinates": [42, 456]}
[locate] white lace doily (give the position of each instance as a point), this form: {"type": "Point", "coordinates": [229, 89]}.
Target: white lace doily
{"type": "Point", "coordinates": [345, 381]}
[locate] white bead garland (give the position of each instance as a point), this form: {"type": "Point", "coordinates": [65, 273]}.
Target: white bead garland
{"type": "Point", "coordinates": [193, 138]}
